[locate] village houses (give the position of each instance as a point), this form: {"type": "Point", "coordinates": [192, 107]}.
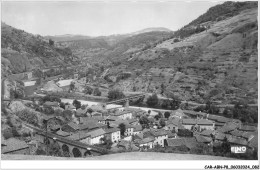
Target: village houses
{"type": "Point", "coordinates": [113, 134]}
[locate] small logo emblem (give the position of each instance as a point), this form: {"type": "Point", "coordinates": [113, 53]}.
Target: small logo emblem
{"type": "Point", "coordinates": [238, 149]}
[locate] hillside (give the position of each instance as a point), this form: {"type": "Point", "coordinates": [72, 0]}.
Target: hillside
{"type": "Point", "coordinates": [110, 49]}
{"type": "Point", "coordinates": [67, 37]}
{"type": "Point", "coordinates": [22, 51]}
{"type": "Point", "coordinates": [218, 62]}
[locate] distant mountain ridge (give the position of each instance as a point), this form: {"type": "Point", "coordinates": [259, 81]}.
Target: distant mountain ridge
{"type": "Point", "coordinates": [153, 29]}
{"type": "Point", "coordinates": [72, 37]}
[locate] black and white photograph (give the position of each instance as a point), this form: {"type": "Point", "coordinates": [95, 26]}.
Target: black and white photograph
{"type": "Point", "coordinates": [85, 81]}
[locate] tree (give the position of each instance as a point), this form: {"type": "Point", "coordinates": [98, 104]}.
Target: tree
{"type": "Point", "coordinates": [15, 132]}
{"type": "Point", "coordinates": [165, 104]}
{"type": "Point", "coordinates": [167, 115]}
{"type": "Point", "coordinates": [89, 110]}
{"type": "Point", "coordinates": [72, 86]}
{"type": "Point", "coordinates": [8, 133]}
{"type": "Point", "coordinates": [16, 93]}
{"type": "Point", "coordinates": [62, 105]}
{"type": "Point", "coordinates": [162, 88]}
{"type": "Point", "coordinates": [54, 149]}
{"type": "Point", "coordinates": [162, 122]}
{"type": "Point", "coordinates": [175, 102]}
{"type": "Point", "coordinates": [97, 92]}
{"type": "Point", "coordinates": [40, 151]}
{"type": "Point", "coordinates": [122, 128]}
{"type": "Point", "coordinates": [88, 90]}
{"type": "Point", "coordinates": [76, 103]}
{"type": "Point", "coordinates": [152, 101]}
{"type": "Point", "coordinates": [225, 112]}
{"type": "Point", "coordinates": [115, 94]}
{"type": "Point", "coordinates": [157, 117]}
{"type": "Point", "coordinates": [185, 133]}
{"type": "Point", "coordinates": [48, 110]}
{"type": "Point", "coordinates": [144, 121]}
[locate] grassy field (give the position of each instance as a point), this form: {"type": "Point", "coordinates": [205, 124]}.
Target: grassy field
{"type": "Point", "coordinates": [122, 156]}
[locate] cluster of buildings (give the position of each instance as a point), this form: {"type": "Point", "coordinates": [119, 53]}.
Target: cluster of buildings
{"type": "Point", "coordinates": [211, 130]}
{"type": "Point", "coordinates": [102, 124]}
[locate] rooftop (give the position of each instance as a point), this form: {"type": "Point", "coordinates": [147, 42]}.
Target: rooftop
{"type": "Point", "coordinates": [78, 136]}
{"type": "Point", "coordinates": [113, 118]}
{"type": "Point", "coordinates": [190, 142]}
{"type": "Point", "coordinates": [207, 132]}
{"type": "Point", "coordinates": [218, 118]}
{"type": "Point", "coordinates": [73, 125]}
{"type": "Point", "coordinates": [178, 112]}
{"type": "Point", "coordinates": [170, 134]}
{"type": "Point", "coordinates": [96, 133]}
{"type": "Point", "coordinates": [248, 135]}
{"type": "Point", "coordinates": [119, 113]}
{"type": "Point", "coordinates": [62, 133]}
{"type": "Point", "coordinates": [13, 145]}
{"type": "Point", "coordinates": [203, 139]}
{"type": "Point", "coordinates": [247, 128]}
{"type": "Point", "coordinates": [228, 127]}
{"type": "Point", "coordinates": [238, 141]}
{"type": "Point", "coordinates": [236, 133]}
{"type": "Point", "coordinates": [174, 121]}
{"type": "Point", "coordinates": [111, 130]}
{"type": "Point", "coordinates": [254, 141]}
{"type": "Point", "coordinates": [175, 142]}
{"type": "Point", "coordinates": [197, 121]}
{"type": "Point", "coordinates": [91, 124]}
{"type": "Point", "coordinates": [146, 140]}
{"type": "Point", "coordinates": [132, 120]}
{"type": "Point", "coordinates": [220, 136]}
{"type": "Point", "coordinates": [158, 132]}
{"type": "Point", "coordinates": [137, 128]}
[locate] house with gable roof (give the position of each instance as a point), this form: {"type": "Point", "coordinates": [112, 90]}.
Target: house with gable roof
{"type": "Point", "coordinates": [80, 136]}
{"type": "Point", "coordinates": [173, 124]}
{"type": "Point", "coordinates": [159, 136]}
{"type": "Point", "coordinates": [247, 128]}
{"type": "Point", "coordinates": [137, 129]}
{"type": "Point", "coordinates": [70, 127]}
{"type": "Point", "coordinates": [113, 134]}
{"type": "Point", "coordinates": [96, 135]}
{"type": "Point", "coordinates": [129, 130]}
{"type": "Point", "coordinates": [147, 142]}
{"type": "Point", "coordinates": [201, 123]}
{"type": "Point", "coordinates": [178, 113]}
{"type": "Point", "coordinates": [126, 114]}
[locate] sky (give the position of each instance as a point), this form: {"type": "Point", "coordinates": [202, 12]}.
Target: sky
{"type": "Point", "coordinates": [100, 18]}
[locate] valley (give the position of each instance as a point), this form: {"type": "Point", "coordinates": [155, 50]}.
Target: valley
{"type": "Point", "coordinates": [188, 91]}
